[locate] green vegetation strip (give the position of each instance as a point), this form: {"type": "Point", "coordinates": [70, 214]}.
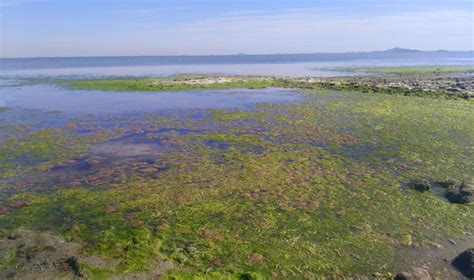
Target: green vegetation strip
{"type": "Point", "coordinates": [173, 85]}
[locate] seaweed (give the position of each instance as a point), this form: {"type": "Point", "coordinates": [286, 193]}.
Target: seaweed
{"type": "Point", "coordinates": [306, 190]}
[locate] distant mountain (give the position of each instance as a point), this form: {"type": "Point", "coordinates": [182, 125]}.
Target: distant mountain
{"type": "Point", "coordinates": [401, 50]}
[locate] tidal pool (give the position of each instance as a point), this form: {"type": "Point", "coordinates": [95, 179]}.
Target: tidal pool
{"type": "Point", "coordinates": [55, 98]}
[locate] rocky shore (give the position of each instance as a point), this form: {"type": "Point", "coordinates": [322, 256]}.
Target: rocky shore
{"type": "Point", "coordinates": [454, 85]}
{"type": "Point", "coordinates": [449, 85]}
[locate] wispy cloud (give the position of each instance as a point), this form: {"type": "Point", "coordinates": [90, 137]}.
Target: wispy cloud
{"type": "Point", "coordinates": [138, 12]}
{"type": "Point", "coordinates": [12, 3]}
{"type": "Point", "coordinates": [148, 11]}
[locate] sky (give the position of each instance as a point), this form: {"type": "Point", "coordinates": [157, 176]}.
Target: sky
{"type": "Point", "coordinates": [46, 28]}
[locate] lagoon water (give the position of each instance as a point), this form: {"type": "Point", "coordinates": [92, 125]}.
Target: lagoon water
{"type": "Point", "coordinates": [54, 98]}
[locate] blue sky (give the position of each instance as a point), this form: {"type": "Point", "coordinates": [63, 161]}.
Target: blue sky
{"type": "Point", "coordinates": [32, 28]}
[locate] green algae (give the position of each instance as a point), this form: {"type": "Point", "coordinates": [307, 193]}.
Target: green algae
{"type": "Point", "coordinates": [175, 85]}
{"type": "Point", "coordinates": [202, 83]}
{"type": "Point", "coordinates": [321, 198]}
{"type": "Point", "coordinates": [318, 226]}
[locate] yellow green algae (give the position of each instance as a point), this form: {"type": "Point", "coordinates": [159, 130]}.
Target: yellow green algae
{"type": "Point", "coordinates": [295, 191]}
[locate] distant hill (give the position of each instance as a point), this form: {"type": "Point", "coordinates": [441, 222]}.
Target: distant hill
{"type": "Point", "coordinates": [401, 50]}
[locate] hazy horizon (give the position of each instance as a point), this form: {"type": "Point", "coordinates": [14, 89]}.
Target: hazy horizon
{"type": "Point", "coordinates": [238, 54]}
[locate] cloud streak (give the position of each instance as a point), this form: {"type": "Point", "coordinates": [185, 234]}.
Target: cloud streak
{"type": "Point", "coordinates": [13, 3]}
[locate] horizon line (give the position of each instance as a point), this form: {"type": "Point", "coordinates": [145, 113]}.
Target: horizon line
{"type": "Point", "coordinates": [401, 50]}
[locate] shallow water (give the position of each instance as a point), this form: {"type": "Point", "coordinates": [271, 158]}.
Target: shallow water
{"type": "Point", "coordinates": [138, 124]}
{"type": "Point", "coordinates": [54, 98]}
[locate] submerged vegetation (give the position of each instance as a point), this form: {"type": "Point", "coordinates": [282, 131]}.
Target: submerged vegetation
{"type": "Point", "coordinates": [39, 150]}
{"type": "Point", "coordinates": [285, 191]}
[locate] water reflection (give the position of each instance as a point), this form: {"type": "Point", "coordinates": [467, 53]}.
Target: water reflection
{"type": "Point", "coordinates": [53, 98]}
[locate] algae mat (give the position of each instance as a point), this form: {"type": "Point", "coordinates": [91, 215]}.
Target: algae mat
{"type": "Point", "coordinates": [286, 191]}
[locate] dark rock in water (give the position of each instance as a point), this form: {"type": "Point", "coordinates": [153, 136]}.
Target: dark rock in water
{"type": "Point", "coordinates": [89, 163]}
{"type": "Point", "coordinates": [84, 166]}
{"type": "Point", "coordinates": [465, 263]}
{"type": "Point", "coordinates": [150, 161]}
{"type": "Point", "coordinates": [421, 185]}
{"type": "Point", "coordinates": [73, 264]}
{"type": "Point", "coordinates": [460, 193]}
{"type": "Point", "coordinates": [414, 273]}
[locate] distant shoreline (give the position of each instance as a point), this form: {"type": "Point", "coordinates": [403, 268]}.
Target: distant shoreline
{"type": "Point", "coordinates": [393, 51]}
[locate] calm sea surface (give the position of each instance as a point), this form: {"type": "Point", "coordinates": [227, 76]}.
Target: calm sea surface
{"type": "Point", "coordinates": [321, 65]}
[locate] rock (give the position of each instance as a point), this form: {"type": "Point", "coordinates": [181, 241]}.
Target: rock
{"type": "Point", "coordinates": [73, 184]}
{"type": "Point", "coordinates": [247, 195]}
{"type": "Point", "coordinates": [447, 184]}
{"type": "Point", "coordinates": [216, 261]}
{"type": "Point", "coordinates": [45, 264]}
{"type": "Point", "coordinates": [89, 163]}
{"type": "Point", "coordinates": [421, 185]}
{"type": "Point", "coordinates": [414, 273]}
{"type": "Point", "coordinates": [147, 170]}
{"type": "Point", "coordinates": [94, 162]}
{"type": "Point", "coordinates": [58, 166]}
{"type": "Point", "coordinates": [256, 257]}
{"type": "Point", "coordinates": [465, 263]}
{"type": "Point", "coordinates": [460, 193]}
{"type": "Point", "coordinates": [12, 236]}
{"type": "Point", "coordinates": [191, 249]}
{"type": "Point", "coordinates": [73, 264]}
